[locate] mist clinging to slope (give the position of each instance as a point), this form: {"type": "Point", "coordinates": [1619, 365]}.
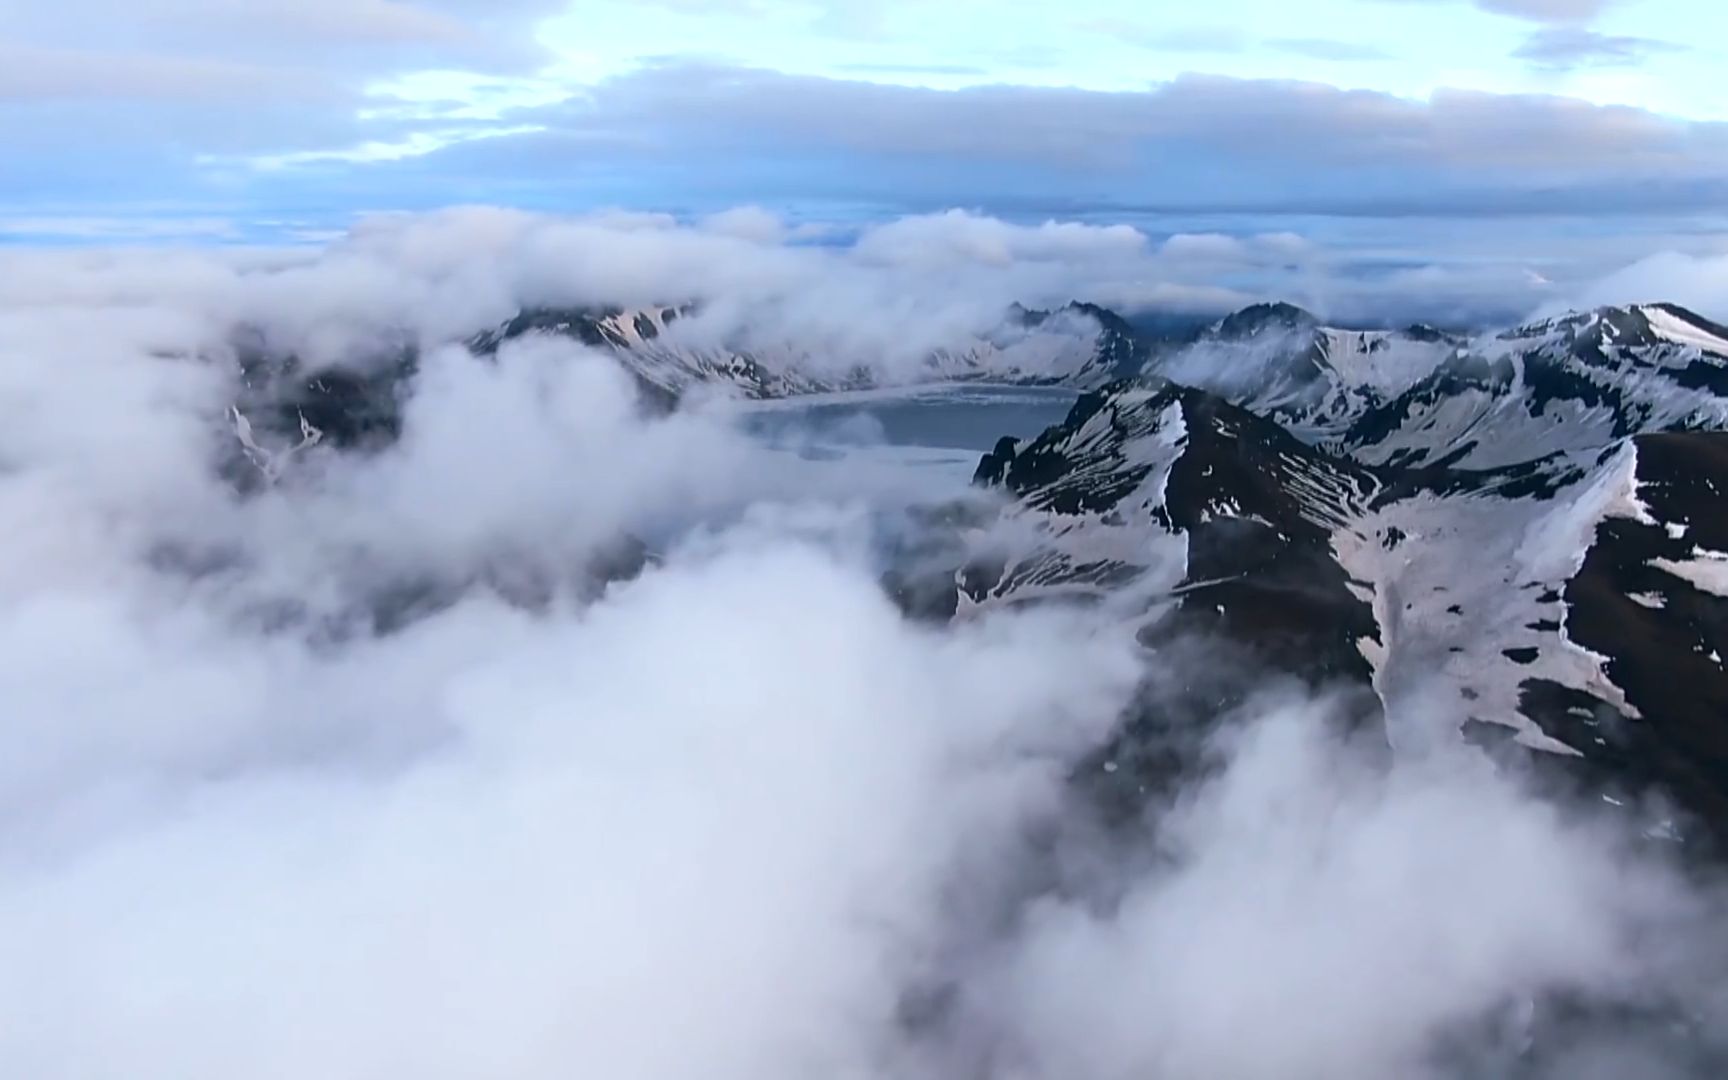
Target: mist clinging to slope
{"type": "Point", "coordinates": [724, 819]}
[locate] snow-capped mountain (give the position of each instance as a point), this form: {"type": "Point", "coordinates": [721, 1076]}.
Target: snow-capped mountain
{"type": "Point", "coordinates": [645, 341]}
{"type": "Point", "coordinates": [1281, 362]}
{"type": "Point", "coordinates": [1422, 396]}
{"type": "Point", "coordinates": [673, 350]}
{"type": "Point", "coordinates": [1564, 385]}
{"type": "Point", "coordinates": [1568, 598]}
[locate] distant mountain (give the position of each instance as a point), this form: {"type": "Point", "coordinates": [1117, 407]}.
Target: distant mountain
{"type": "Point", "coordinates": [1529, 539]}
{"type": "Point", "coordinates": [1422, 396]}
{"type": "Point", "coordinates": [671, 352]}
{"type": "Point", "coordinates": [643, 341]}
{"type": "Point", "coordinates": [1558, 386]}
{"type": "Point", "coordinates": [1315, 380]}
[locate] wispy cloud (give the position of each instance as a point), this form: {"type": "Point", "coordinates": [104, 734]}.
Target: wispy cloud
{"type": "Point", "coordinates": [1549, 10]}
{"type": "Point", "coordinates": [1329, 49]}
{"type": "Point", "coordinates": [1564, 48]}
{"type": "Point", "coordinates": [1544, 11]}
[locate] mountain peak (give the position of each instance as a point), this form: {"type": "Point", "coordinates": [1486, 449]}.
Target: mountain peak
{"type": "Point", "coordinates": [1106, 318]}
{"type": "Point", "coordinates": [1631, 325]}
{"type": "Point", "coordinates": [1687, 327]}
{"type": "Point", "coordinates": [1259, 318]}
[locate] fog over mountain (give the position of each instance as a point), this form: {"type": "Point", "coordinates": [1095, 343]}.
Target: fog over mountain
{"type": "Point", "coordinates": [416, 663]}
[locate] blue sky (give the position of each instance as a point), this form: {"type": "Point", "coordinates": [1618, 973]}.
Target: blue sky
{"type": "Point", "coordinates": [282, 119]}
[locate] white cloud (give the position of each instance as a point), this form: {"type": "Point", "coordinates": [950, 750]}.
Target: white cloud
{"type": "Point", "coordinates": [902, 290]}
{"type": "Point", "coordinates": [958, 237]}
{"type": "Point", "coordinates": [1205, 247]}
{"type": "Point", "coordinates": [747, 223]}
{"type": "Point", "coordinates": [1699, 282]}
{"type": "Point", "coordinates": [237, 848]}
{"type": "Point", "coordinates": [1549, 10]}
{"type": "Point", "coordinates": [308, 33]}
{"type": "Point", "coordinates": [33, 75]}
{"type": "Point", "coordinates": [1320, 918]}
{"type": "Point", "coordinates": [241, 836]}
{"type": "Point", "coordinates": [1545, 11]}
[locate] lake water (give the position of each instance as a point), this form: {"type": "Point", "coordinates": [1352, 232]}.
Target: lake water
{"type": "Point", "coordinates": [937, 432]}
{"type": "Point", "coordinates": [965, 418]}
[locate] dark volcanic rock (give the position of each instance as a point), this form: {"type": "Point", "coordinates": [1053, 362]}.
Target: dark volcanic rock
{"type": "Point", "coordinates": [1255, 506]}
{"type": "Point", "coordinates": [1649, 598]}
{"type": "Point", "coordinates": [1259, 599]}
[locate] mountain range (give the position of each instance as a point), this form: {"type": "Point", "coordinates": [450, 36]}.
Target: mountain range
{"type": "Point", "coordinates": [1527, 538]}
{"type": "Point", "coordinates": [1520, 532]}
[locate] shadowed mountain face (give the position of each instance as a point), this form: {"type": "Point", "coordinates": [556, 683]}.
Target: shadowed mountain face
{"type": "Point", "coordinates": [1524, 544]}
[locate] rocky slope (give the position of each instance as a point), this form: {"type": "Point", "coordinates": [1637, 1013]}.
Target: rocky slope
{"type": "Point", "coordinates": [1527, 542]}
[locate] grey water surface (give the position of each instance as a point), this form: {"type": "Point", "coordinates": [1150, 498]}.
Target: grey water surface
{"type": "Point", "coordinates": [965, 418]}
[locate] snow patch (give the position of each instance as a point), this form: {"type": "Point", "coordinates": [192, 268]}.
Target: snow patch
{"type": "Point", "coordinates": [1707, 570]}
{"type": "Point", "coordinates": [1671, 327]}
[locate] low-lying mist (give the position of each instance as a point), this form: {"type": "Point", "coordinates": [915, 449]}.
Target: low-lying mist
{"type": "Point", "coordinates": [395, 767]}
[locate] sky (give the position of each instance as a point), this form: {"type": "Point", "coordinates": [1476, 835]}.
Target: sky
{"type": "Point", "coordinates": [1533, 140]}
{"type": "Point", "coordinates": [363, 774]}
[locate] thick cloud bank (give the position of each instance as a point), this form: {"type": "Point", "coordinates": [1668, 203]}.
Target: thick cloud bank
{"type": "Point", "coordinates": [880, 296]}
{"type": "Point", "coordinates": [734, 816]}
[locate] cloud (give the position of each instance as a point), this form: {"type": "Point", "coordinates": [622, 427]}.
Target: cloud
{"type": "Point", "coordinates": [1329, 49]}
{"type": "Point", "coordinates": [968, 238]}
{"type": "Point", "coordinates": [1226, 39]}
{"type": "Point", "coordinates": [1301, 888]}
{"type": "Point", "coordinates": [1545, 11]}
{"type": "Point", "coordinates": [747, 223]}
{"type": "Point", "coordinates": [33, 75]}
{"type": "Point", "coordinates": [115, 229]}
{"type": "Point", "coordinates": [1563, 48]}
{"type": "Point", "coordinates": [1549, 10]}
{"type": "Point", "coordinates": [1253, 119]}
{"type": "Point", "coordinates": [367, 37]}
{"type": "Point", "coordinates": [280, 109]}
{"type": "Point", "coordinates": [472, 845]}
{"type": "Point", "coordinates": [243, 834]}
{"type": "Point", "coordinates": [1699, 282]}
{"type": "Point", "coordinates": [91, 90]}
{"type": "Point", "coordinates": [1192, 38]}
{"type": "Point", "coordinates": [880, 297]}
{"type": "Point", "coordinates": [1205, 247]}
{"type": "Point", "coordinates": [338, 126]}
{"type": "Point", "coordinates": [1193, 143]}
